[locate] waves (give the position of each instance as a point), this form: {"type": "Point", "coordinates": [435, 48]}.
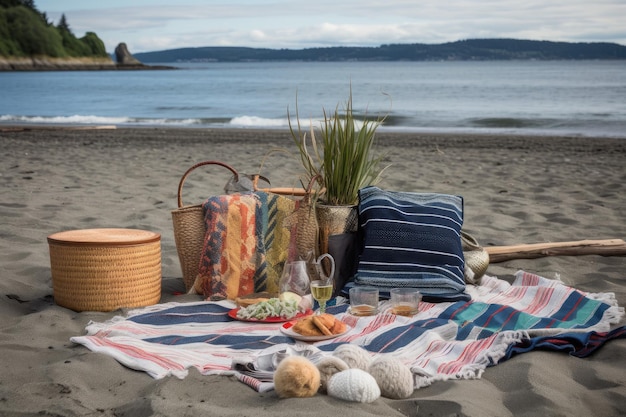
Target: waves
{"type": "Point", "coordinates": [582, 126]}
{"type": "Point", "coordinates": [548, 98]}
{"type": "Point", "coordinates": [255, 121]}
{"type": "Point", "coordinates": [241, 121]}
{"type": "Point", "coordinates": [75, 119]}
{"type": "Point", "coordinates": [238, 121]}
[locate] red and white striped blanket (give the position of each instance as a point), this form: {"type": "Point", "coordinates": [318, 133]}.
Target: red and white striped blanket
{"type": "Point", "coordinates": [454, 340]}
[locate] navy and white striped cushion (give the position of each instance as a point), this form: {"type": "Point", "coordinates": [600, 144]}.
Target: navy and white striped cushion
{"type": "Point", "coordinates": [412, 240]}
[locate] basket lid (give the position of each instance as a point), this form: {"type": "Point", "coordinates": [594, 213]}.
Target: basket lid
{"type": "Point", "coordinates": [104, 237]}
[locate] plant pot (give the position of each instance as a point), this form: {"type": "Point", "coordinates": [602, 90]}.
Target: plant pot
{"type": "Point", "coordinates": [334, 220]}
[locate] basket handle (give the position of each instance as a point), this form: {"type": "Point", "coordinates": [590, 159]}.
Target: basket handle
{"type": "Point", "coordinates": [298, 192]}
{"type": "Point", "coordinates": [199, 164]}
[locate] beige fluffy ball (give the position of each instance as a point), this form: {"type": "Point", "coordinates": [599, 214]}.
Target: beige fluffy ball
{"type": "Point", "coordinates": [296, 376]}
{"type": "Point", "coordinates": [394, 378]}
{"type": "Point", "coordinates": [354, 356]}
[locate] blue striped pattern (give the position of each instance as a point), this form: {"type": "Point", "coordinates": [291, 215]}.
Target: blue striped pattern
{"type": "Point", "coordinates": [443, 341]}
{"type": "Point", "coordinates": [412, 240]}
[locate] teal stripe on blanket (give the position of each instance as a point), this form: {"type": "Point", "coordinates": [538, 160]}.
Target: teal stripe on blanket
{"type": "Point", "coordinates": [576, 312]}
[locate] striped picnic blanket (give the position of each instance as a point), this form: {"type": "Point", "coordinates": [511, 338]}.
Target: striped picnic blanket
{"type": "Point", "coordinates": [453, 340]}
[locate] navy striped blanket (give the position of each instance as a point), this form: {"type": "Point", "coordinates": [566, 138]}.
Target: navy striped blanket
{"type": "Point", "coordinates": [452, 340]}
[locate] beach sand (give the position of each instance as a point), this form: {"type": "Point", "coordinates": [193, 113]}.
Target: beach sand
{"type": "Point", "coordinates": [516, 190]}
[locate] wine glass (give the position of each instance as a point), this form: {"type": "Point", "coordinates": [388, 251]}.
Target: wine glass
{"type": "Point", "coordinates": [322, 290]}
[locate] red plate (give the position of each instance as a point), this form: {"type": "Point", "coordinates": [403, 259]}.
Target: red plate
{"type": "Point", "coordinates": [233, 315]}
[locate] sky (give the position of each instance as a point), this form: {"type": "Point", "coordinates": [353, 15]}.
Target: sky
{"type": "Point", "coordinates": [154, 25]}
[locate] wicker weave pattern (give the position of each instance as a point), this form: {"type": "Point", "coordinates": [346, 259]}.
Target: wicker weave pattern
{"type": "Point", "coordinates": [189, 231]}
{"type": "Point", "coordinates": [105, 278]}
{"type": "Point", "coordinates": [189, 228]}
{"type": "Point", "coordinates": [189, 224]}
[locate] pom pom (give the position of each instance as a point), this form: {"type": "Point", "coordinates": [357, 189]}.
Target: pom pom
{"type": "Point", "coordinates": [354, 356]}
{"type": "Point", "coordinates": [329, 366]}
{"type": "Point", "coordinates": [296, 376]}
{"type": "Point", "coordinates": [354, 385]}
{"type": "Point", "coordinates": [394, 378]}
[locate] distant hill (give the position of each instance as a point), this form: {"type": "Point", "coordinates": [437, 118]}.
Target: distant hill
{"type": "Point", "coordinates": [465, 50]}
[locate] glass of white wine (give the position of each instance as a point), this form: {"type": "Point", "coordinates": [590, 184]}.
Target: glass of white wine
{"type": "Point", "coordinates": [322, 290]}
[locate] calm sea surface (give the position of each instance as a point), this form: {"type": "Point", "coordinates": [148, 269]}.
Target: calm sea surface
{"type": "Point", "coordinates": [583, 98]}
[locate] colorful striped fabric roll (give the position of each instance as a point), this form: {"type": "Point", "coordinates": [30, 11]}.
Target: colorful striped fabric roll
{"type": "Point", "coordinates": [245, 245]}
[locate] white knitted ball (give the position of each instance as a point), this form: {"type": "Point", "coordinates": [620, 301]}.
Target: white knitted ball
{"type": "Point", "coordinates": [354, 356]}
{"type": "Point", "coordinates": [394, 378]}
{"type": "Point", "coordinates": [354, 385]}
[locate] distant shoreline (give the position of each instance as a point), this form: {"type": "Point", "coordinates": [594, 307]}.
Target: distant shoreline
{"type": "Point", "coordinates": [465, 50]}
{"type": "Point", "coordinates": [34, 64]}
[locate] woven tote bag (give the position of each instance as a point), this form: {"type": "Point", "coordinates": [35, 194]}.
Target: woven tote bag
{"type": "Point", "coordinates": [189, 228]}
{"type": "Point", "coordinates": [189, 225]}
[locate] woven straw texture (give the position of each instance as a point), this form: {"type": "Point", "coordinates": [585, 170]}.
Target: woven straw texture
{"type": "Point", "coordinates": [189, 231]}
{"type": "Point", "coordinates": [92, 277]}
{"type": "Point", "coordinates": [476, 258]}
{"type": "Point", "coordinates": [303, 222]}
{"type": "Point", "coordinates": [335, 220]}
{"type": "Point", "coordinates": [189, 227]}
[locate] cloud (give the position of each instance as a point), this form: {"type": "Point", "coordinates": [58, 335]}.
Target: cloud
{"type": "Point", "coordinates": [301, 24]}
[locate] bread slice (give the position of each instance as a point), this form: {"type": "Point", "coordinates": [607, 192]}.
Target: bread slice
{"type": "Point", "coordinates": [250, 299]}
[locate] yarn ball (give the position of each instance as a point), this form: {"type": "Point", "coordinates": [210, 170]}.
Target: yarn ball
{"type": "Point", "coordinates": [394, 378]}
{"type": "Point", "coordinates": [354, 385]}
{"type": "Point", "coordinates": [354, 356]}
{"type": "Point", "coordinates": [329, 366]}
{"type": "Point", "coordinates": [296, 376]}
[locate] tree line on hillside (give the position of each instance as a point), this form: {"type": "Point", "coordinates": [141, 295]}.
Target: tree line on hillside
{"type": "Point", "coordinates": [471, 49]}
{"type": "Point", "coordinates": [26, 32]}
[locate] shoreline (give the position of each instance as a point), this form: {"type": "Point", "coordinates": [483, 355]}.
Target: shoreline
{"type": "Point", "coordinates": [382, 131]}
{"type": "Point", "coordinates": [44, 63]}
{"type": "Point", "coordinates": [516, 189]}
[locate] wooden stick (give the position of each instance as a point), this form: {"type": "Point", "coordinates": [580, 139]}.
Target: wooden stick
{"type": "Point", "coordinates": [607, 247]}
{"type": "Point", "coordinates": [300, 192]}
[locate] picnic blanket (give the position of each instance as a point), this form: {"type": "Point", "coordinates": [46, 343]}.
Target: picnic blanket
{"type": "Point", "coordinates": [453, 340]}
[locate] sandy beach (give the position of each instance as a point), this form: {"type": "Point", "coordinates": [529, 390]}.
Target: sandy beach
{"type": "Point", "coordinates": [516, 190]}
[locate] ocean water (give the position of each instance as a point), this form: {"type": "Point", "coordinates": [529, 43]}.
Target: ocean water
{"type": "Point", "coordinates": [582, 98]}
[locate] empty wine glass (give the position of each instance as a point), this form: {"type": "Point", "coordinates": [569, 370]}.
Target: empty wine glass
{"type": "Point", "coordinates": [294, 278]}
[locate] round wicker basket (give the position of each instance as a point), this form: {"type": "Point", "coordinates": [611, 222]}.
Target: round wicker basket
{"type": "Point", "coordinates": [105, 269]}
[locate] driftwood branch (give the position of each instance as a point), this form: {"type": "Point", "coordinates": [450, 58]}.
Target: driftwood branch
{"type": "Point", "coordinates": [607, 247]}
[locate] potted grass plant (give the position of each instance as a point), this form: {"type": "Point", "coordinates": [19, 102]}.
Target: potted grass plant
{"type": "Point", "coordinates": [340, 152]}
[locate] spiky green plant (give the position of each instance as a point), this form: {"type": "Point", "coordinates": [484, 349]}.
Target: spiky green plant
{"type": "Point", "coordinates": [343, 155]}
